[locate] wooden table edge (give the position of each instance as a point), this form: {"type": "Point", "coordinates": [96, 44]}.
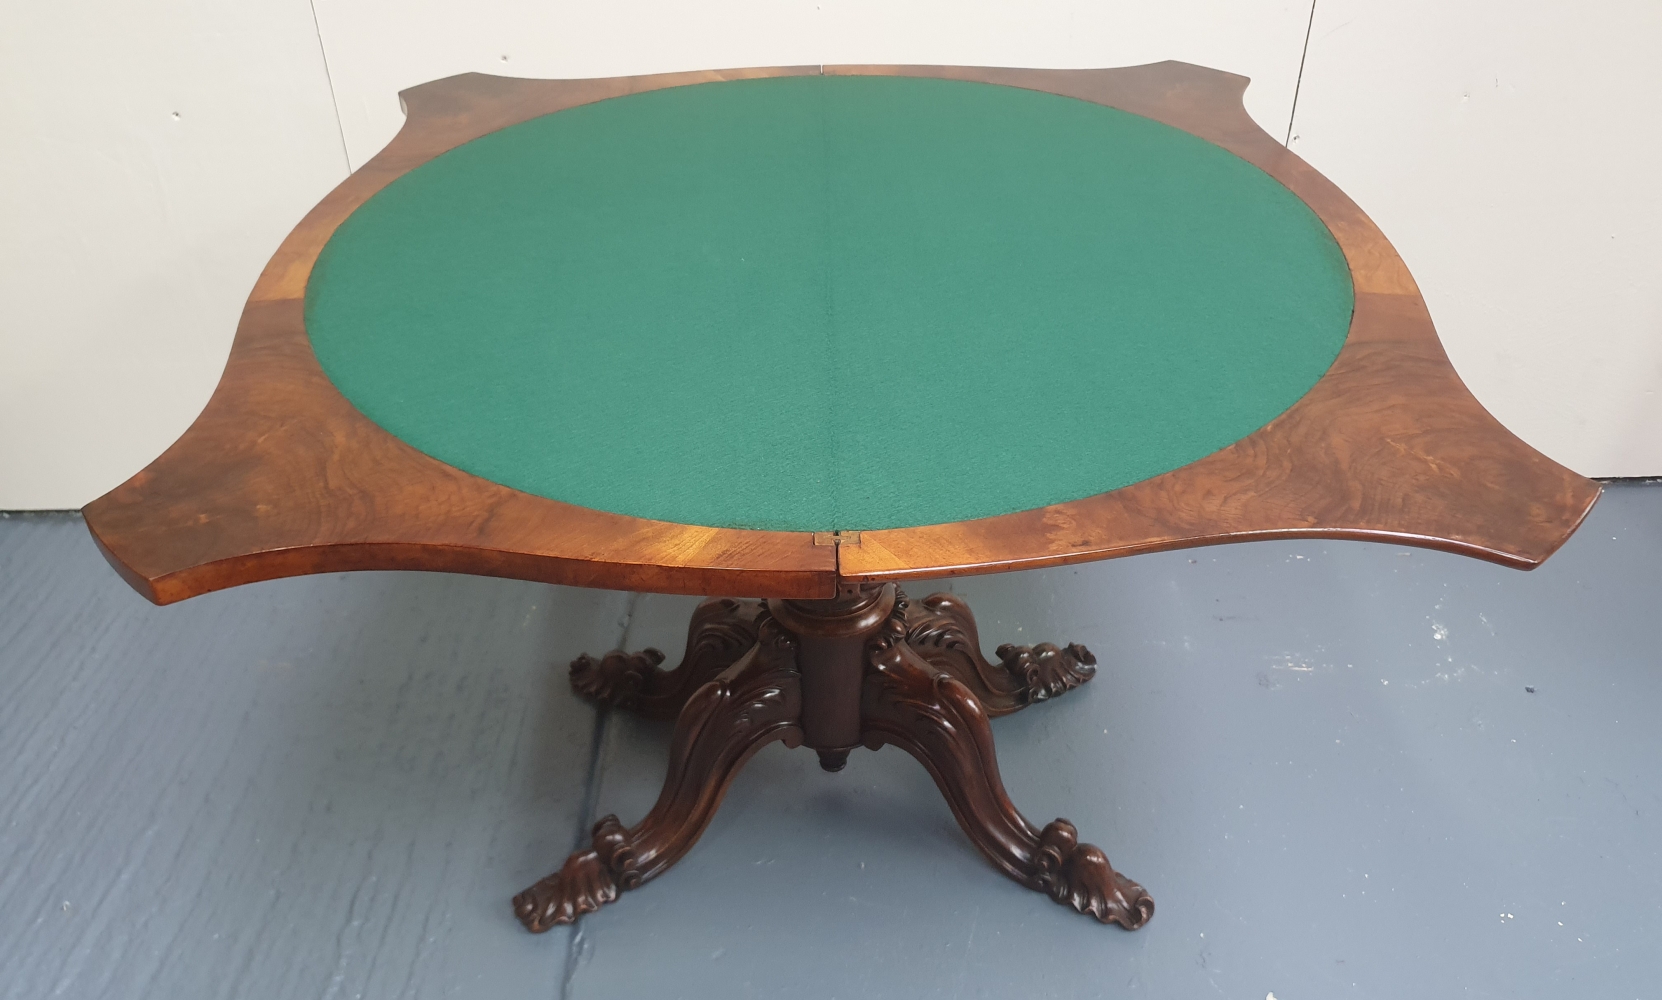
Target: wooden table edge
{"type": "Point", "coordinates": [203, 516]}
{"type": "Point", "coordinates": [849, 566]}
{"type": "Point", "coordinates": [1391, 345]}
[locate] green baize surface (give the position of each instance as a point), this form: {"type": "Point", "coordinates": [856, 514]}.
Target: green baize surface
{"type": "Point", "coordinates": [828, 303]}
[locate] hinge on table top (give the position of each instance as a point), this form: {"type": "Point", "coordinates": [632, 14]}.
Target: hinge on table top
{"type": "Point", "coordinates": [836, 538]}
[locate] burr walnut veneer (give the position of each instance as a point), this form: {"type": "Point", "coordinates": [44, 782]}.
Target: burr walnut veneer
{"type": "Point", "coordinates": [802, 335]}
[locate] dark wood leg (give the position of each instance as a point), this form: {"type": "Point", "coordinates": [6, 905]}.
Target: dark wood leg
{"type": "Point", "coordinates": [941, 629]}
{"type": "Point", "coordinates": [926, 711]}
{"type": "Point", "coordinates": [868, 668]}
{"type": "Point", "coordinates": [722, 629]}
{"type": "Point", "coordinates": [751, 703]}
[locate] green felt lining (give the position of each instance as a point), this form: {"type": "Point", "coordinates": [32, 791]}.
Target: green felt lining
{"type": "Point", "coordinates": [819, 303]}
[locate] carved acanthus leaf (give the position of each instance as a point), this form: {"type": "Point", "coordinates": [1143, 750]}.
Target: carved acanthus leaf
{"type": "Point", "coordinates": [1079, 875]}
{"type": "Point", "coordinates": [617, 678]}
{"type": "Point", "coordinates": [1048, 670]}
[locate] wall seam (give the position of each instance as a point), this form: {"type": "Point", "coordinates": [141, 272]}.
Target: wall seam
{"type": "Point", "coordinates": [329, 76]}
{"type": "Point", "coordinates": [1303, 57]}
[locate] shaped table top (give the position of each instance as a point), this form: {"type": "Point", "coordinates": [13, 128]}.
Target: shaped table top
{"type": "Point", "coordinates": [718, 304]}
{"type": "Point", "coordinates": [762, 332]}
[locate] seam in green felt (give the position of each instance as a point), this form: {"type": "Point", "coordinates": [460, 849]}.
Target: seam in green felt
{"type": "Point", "coordinates": [821, 303]}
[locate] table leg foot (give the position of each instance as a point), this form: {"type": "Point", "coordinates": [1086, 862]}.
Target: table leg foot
{"type": "Point", "coordinates": [909, 702]}
{"type": "Point", "coordinates": [722, 629]}
{"type": "Point", "coordinates": [941, 629]}
{"type": "Point", "coordinates": [751, 703]}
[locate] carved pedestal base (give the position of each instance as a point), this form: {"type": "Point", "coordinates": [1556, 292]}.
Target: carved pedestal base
{"type": "Point", "coordinates": [866, 668]}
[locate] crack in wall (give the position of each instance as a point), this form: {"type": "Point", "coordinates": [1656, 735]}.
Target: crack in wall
{"type": "Point", "coordinates": [1303, 57]}
{"type": "Point", "coordinates": [329, 76]}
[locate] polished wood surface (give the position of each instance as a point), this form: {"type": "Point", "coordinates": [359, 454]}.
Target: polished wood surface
{"type": "Point", "coordinates": [753, 702]}
{"type": "Point", "coordinates": [941, 629]}
{"type": "Point", "coordinates": [281, 476]}
{"type": "Point", "coordinates": [933, 716]}
{"type": "Point", "coordinates": [1388, 446]}
{"type": "Point", "coordinates": [880, 658]}
{"type": "Point", "coordinates": [722, 630]}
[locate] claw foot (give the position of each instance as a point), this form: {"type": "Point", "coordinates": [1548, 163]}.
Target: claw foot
{"type": "Point", "coordinates": [1048, 670]}
{"type": "Point", "coordinates": [582, 885]}
{"type": "Point", "coordinates": [615, 679]}
{"type": "Point", "coordinates": [1079, 876]}
{"type": "Point", "coordinates": [586, 882]}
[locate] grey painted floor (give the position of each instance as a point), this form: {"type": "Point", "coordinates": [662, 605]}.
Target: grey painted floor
{"type": "Point", "coordinates": [1322, 759]}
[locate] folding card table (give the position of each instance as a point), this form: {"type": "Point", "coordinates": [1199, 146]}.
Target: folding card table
{"type": "Point", "coordinates": [803, 335]}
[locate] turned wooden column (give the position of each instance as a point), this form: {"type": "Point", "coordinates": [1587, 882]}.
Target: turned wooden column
{"type": "Point", "coordinates": [831, 642]}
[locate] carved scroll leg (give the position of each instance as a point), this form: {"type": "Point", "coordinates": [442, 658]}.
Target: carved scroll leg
{"type": "Point", "coordinates": [935, 717]}
{"type": "Point", "coordinates": [941, 629]}
{"type": "Point", "coordinates": [752, 703]}
{"type": "Point", "coordinates": [722, 629]}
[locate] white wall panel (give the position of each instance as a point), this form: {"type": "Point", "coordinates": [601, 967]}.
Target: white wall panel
{"type": "Point", "coordinates": [1262, 39]}
{"type": "Point", "coordinates": [378, 47]}
{"type": "Point", "coordinates": [1505, 150]}
{"type": "Point", "coordinates": [154, 156]}
{"type": "Point", "coordinates": [1510, 152]}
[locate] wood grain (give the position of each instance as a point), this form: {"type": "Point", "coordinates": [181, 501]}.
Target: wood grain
{"type": "Point", "coordinates": [1387, 446]}
{"type": "Point", "coordinates": [281, 476]}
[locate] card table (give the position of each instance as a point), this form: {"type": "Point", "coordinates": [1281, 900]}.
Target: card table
{"type": "Point", "coordinates": [806, 334]}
